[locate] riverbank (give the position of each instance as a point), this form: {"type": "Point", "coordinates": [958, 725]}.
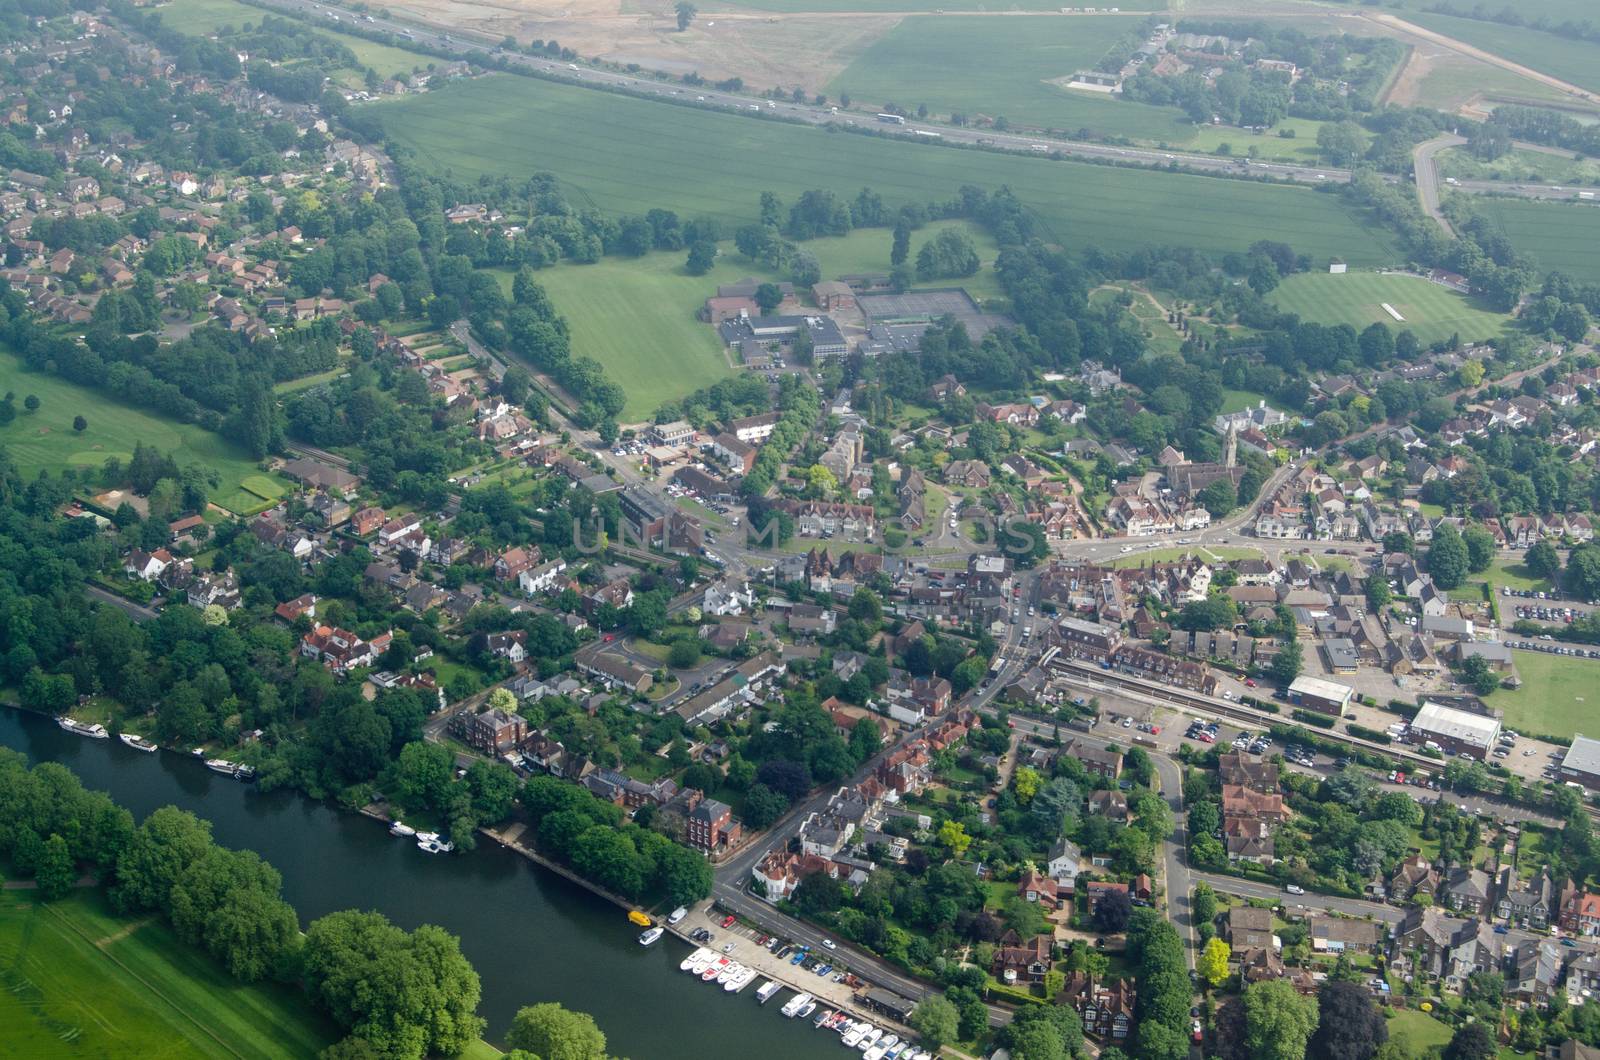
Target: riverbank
{"type": "Point", "coordinates": [531, 933]}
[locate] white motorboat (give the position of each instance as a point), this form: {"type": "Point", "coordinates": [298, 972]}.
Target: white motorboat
{"type": "Point", "coordinates": [434, 845]}
{"type": "Point", "coordinates": [870, 1039]}
{"type": "Point", "coordinates": [91, 729]}
{"type": "Point", "coordinates": [222, 765]}
{"type": "Point", "coordinates": [714, 969]}
{"type": "Point", "coordinates": [795, 1004]}
{"type": "Point", "coordinates": [853, 1036]}
{"type": "Point", "coordinates": [400, 828]}
{"type": "Point", "coordinates": [650, 935]}
{"type": "Point", "coordinates": [733, 969]}
{"type": "Point", "coordinates": [138, 743]}
{"type": "Point", "coordinates": [745, 977]}
{"type": "Point", "coordinates": [806, 1010]}
{"type": "Point", "coordinates": [701, 956]}
{"type": "Point", "coordinates": [822, 1020]}
{"type": "Point", "coordinates": [427, 837]}
{"type": "Point", "coordinates": [766, 990]}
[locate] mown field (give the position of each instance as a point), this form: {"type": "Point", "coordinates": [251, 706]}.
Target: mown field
{"type": "Point", "coordinates": [1431, 312]}
{"type": "Point", "coordinates": [979, 65]}
{"type": "Point", "coordinates": [1556, 235]}
{"type": "Point", "coordinates": [1557, 698]}
{"type": "Point", "coordinates": [204, 17]}
{"type": "Point", "coordinates": [1574, 61]}
{"type": "Point", "coordinates": [45, 440]}
{"type": "Point", "coordinates": [626, 156]}
{"type": "Point", "coordinates": [82, 982]}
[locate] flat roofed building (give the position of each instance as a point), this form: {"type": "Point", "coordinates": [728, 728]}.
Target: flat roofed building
{"type": "Point", "coordinates": [1581, 763]}
{"type": "Point", "coordinates": [1455, 730]}
{"type": "Point", "coordinates": [1325, 697]}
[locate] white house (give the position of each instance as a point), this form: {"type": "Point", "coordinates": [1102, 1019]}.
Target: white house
{"type": "Point", "coordinates": [1064, 862]}
{"type": "Point", "coordinates": [726, 598]}
{"type": "Point", "coordinates": [541, 579]}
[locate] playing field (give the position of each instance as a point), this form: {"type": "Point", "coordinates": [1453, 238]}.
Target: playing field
{"type": "Point", "coordinates": [1431, 312]}
{"type": "Point", "coordinates": [204, 17]}
{"type": "Point", "coordinates": [45, 440]}
{"type": "Point", "coordinates": [1558, 696]}
{"type": "Point", "coordinates": [81, 982]}
{"type": "Point", "coordinates": [626, 156]}
{"type": "Point", "coordinates": [1561, 236]}
{"type": "Point", "coordinates": [977, 65]}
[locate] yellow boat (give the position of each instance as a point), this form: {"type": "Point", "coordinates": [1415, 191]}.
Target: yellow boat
{"type": "Point", "coordinates": [639, 918]}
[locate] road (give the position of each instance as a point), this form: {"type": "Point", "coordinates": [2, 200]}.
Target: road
{"type": "Point", "coordinates": [137, 612]}
{"type": "Point", "coordinates": [1427, 174]}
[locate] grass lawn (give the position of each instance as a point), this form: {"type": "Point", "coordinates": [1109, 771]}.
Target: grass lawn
{"type": "Point", "coordinates": [83, 982]}
{"type": "Point", "coordinates": [1239, 400]}
{"type": "Point", "coordinates": [626, 156]}
{"type": "Point", "coordinates": [1558, 696]}
{"type": "Point", "coordinates": [1512, 575]}
{"type": "Point", "coordinates": [1420, 1030]}
{"type": "Point", "coordinates": [636, 316]}
{"type": "Point", "coordinates": [790, 6]}
{"type": "Point", "coordinates": [1301, 148]}
{"type": "Point", "coordinates": [1007, 67]}
{"type": "Point", "coordinates": [202, 18]}
{"type": "Point", "coordinates": [45, 440]}
{"type": "Point", "coordinates": [867, 250]}
{"type": "Point", "coordinates": [1556, 235]}
{"type": "Point", "coordinates": [1534, 167]}
{"type": "Point", "coordinates": [306, 382]}
{"type": "Point", "coordinates": [1356, 298]}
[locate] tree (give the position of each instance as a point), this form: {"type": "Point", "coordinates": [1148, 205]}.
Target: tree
{"type": "Point", "coordinates": [31, 403]}
{"type": "Point", "coordinates": [768, 297]}
{"type": "Point", "coordinates": [53, 869]}
{"type": "Point", "coordinates": [1349, 1025]}
{"type": "Point", "coordinates": [953, 837]}
{"type": "Point", "coordinates": [937, 1020]}
{"type": "Point", "coordinates": [1212, 963]}
{"type": "Point", "coordinates": [1480, 548]}
{"type": "Point", "coordinates": [1447, 557]}
{"type": "Point", "coordinates": [1542, 561]}
{"type": "Point", "coordinates": [686, 12]}
{"type": "Point", "coordinates": [1278, 1022]}
{"type": "Point", "coordinates": [1583, 571]}
{"type": "Point", "coordinates": [1219, 498]}
{"type": "Point", "coordinates": [702, 256]}
{"type": "Point", "coordinates": [1112, 912]}
{"type": "Point", "coordinates": [80, 424]}
{"type": "Point", "coordinates": [551, 1032]}
{"type": "Point", "coordinates": [763, 806]}
{"type": "Point", "coordinates": [165, 845]}
{"type": "Point", "coordinates": [1286, 665]}
{"type": "Point", "coordinates": [1341, 141]}
{"type": "Point", "coordinates": [684, 654]}
{"type": "Point", "coordinates": [1203, 906]}
{"type": "Point", "coordinates": [1379, 594]}
{"type": "Point", "coordinates": [1471, 1041]}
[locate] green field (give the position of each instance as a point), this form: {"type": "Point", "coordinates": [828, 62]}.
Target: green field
{"type": "Point", "coordinates": [204, 17]}
{"type": "Point", "coordinates": [82, 982]}
{"type": "Point", "coordinates": [1356, 298]}
{"type": "Point", "coordinates": [45, 440]}
{"type": "Point", "coordinates": [1419, 1029]}
{"type": "Point", "coordinates": [1557, 698]}
{"type": "Point", "coordinates": [1575, 61]}
{"type": "Point", "coordinates": [1556, 235]}
{"type": "Point", "coordinates": [1005, 67]}
{"type": "Point", "coordinates": [1300, 148]}
{"type": "Point", "coordinates": [627, 156]}
{"type": "Point", "coordinates": [1520, 165]}
{"type": "Point", "coordinates": [1239, 400]}
{"type": "Point", "coordinates": [893, 6]}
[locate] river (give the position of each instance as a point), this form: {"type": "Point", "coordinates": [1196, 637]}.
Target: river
{"type": "Point", "coordinates": [532, 935]}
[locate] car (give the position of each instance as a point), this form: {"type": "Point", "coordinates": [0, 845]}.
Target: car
{"type": "Point", "coordinates": [1249, 682]}
{"type": "Point", "coordinates": [1527, 753]}
{"type": "Point", "coordinates": [1127, 723]}
{"type": "Point", "coordinates": [1295, 888]}
{"type": "Point", "coordinates": [1196, 1031]}
{"type": "Point", "coordinates": [729, 920]}
{"type": "Point", "coordinates": [727, 947]}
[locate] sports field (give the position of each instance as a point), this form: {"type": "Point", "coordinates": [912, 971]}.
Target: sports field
{"type": "Point", "coordinates": [45, 440]}
{"type": "Point", "coordinates": [626, 156]}
{"type": "Point", "coordinates": [1558, 696]}
{"type": "Point", "coordinates": [204, 17]}
{"type": "Point", "coordinates": [81, 982]}
{"type": "Point", "coordinates": [977, 65]}
{"type": "Point", "coordinates": [1431, 312]}
{"type": "Point", "coordinates": [1555, 235]}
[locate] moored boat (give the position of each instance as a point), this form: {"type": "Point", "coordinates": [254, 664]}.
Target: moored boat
{"type": "Point", "coordinates": [400, 828]}
{"type": "Point", "coordinates": [744, 978]}
{"type": "Point", "coordinates": [806, 1010]}
{"type": "Point", "coordinates": [222, 765]}
{"type": "Point", "coordinates": [93, 730]}
{"type": "Point", "coordinates": [734, 968]}
{"type": "Point", "coordinates": [795, 1004]}
{"type": "Point", "coordinates": [649, 936]}
{"type": "Point", "coordinates": [699, 956]}
{"type": "Point", "coordinates": [714, 969]}
{"type": "Point", "coordinates": [852, 1037]}
{"type": "Point", "coordinates": [138, 743]}
{"type": "Point", "coordinates": [766, 990]}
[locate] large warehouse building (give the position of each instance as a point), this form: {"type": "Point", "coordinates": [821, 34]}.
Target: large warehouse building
{"type": "Point", "coordinates": [1324, 697]}
{"type": "Point", "coordinates": [1455, 731]}
{"type": "Point", "coordinates": [1581, 763]}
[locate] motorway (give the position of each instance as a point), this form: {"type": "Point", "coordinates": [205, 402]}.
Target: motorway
{"type": "Point", "coordinates": [462, 44]}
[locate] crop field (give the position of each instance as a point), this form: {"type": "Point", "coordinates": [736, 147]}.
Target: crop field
{"type": "Point", "coordinates": [1557, 698]}
{"type": "Point", "coordinates": [892, 6]}
{"type": "Point", "coordinates": [81, 982]}
{"type": "Point", "coordinates": [1575, 61]}
{"type": "Point", "coordinates": [1555, 235]}
{"type": "Point", "coordinates": [1005, 66]}
{"type": "Point", "coordinates": [204, 17]}
{"type": "Point", "coordinates": [626, 156]}
{"type": "Point", "coordinates": [1356, 298]}
{"type": "Point", "coordinates": [45, 440]}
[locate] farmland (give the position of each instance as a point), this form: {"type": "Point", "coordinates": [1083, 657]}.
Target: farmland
{"type": "Point", "coordinates": [1534, 167]}
{"type": "Point", "coordinates": [1555, 235]}
{"type": "Point", "coordinates": [81, 982]}
{"type": "Point", "coordinates": [1557, 697]}
{"type": "Point", "coordinates": [627, 156]}
{"type": "Point", "coordinates": [892, 6]}
{"type": "Point", "coordinates": [1006, 68]}
{"type": "Point", "coordinates": [1431, 312]}
{"type": "Point", "coordinates": [204, 17]}
{"type": "Point", "coordinates": [1566, 58]}
{"type": "Point", "coordinates": [45, 440]}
